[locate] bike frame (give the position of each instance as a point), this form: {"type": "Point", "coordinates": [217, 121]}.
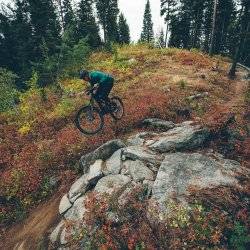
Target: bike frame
{"type": "Point", "coordinates": [92, 102]}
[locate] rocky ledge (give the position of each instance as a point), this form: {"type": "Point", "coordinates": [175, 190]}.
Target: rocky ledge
{"type": "Point", "coordinates": [166, 162]}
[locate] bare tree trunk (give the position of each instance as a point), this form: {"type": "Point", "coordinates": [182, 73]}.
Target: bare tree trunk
{"type": "Point", "coordinates": [211, 50]}
{"type": "Point", "coordinates": [166, 36]}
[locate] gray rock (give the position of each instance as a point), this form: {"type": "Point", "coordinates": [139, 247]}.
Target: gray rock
{"type": "Point", "coordinates": [181, 138]}
{"type": "Point", "coordinates": [130, 188]}
{"type": "Point", "coordinates": [140, 153]}
{"type": "Point", "coordinates": [198, 96]}
{"type": "Point", "coordinates": [65, 204]}
{"type": "Point", "coordinates": [103, 152]}
{"type": "Point", "coordinates": [149, 185]}
{"type": "Point", "coordinates": [76, 213]}
{"type": "Point", "coordinates": [55, 235]}
{"type": "Point", "coordinates": [139, 139]}
{"type": "Point", "coordinates": [113, 217]}
{"type": "Point", "coordinates": [83, 184]}
{"type": "Point", "coordinates": [95, 170]}
{"type": "Point", "coordinates": [159, 124]}
{"type": "Point", "coordinates": [138, 170]}
{"type": "Point", "coordinates": [53, 181]}
{"type": "Point", "coordinates": [113, 164]}
{"type": "Point", "coordinates": [111, 183]}
{"type": "Point", "coordinates": [65, 235]}
{"type": "Point", "coordinates": [179, 171]}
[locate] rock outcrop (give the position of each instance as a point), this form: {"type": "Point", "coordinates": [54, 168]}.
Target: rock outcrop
{"type": "Point", "coordinates": [162, 161]}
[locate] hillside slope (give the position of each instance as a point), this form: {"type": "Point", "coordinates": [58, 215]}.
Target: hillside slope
{"type": "Point", "coordinates": [41, 144]}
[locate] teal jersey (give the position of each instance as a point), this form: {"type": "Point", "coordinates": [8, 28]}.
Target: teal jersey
{"type": "Point", "coordinates": [99, 77]}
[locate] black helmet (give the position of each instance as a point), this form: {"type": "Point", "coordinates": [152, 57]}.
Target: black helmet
{"type": "Point", "coordinates": [83, 74]}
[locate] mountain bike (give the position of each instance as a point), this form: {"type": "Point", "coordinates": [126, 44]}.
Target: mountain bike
{"type": "Point", "coordinates": [90, 119]}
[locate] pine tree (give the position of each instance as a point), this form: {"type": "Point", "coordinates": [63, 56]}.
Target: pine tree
{"type": "Point", "coordinates": [107, 11]}
{"type": "Point", "coordinates": [16, 42]}
{"type": "Point", "coordinates": [207, 23]}
{"type": "Point", "coordinates": [168, 9]}
{"type": "Point", "coordinates": [180, 25]}
{"type": "Point", "coordinates": [6, 41]}
{"type": "Point", "coordinates": [147, 34]}
{"type": "Point", "coordinates": [160, 41]}
{"type": "Point", "coordinates": [87, 26]}
{"type": "Point", "coordinates": [245, 53]}
{"type": "Point", "coordinates": [22, 35]}
{"type": "Point", "coordinates": [197, 16]}
{"type": "Point", "coordinates": [244, 24]}
{"type": "Point", "coordinates": [225, 17]}
{"type": "Point", "coordinates": [124, 34]}
{"type": "Point", "coordinates": [46, 27]}
{"type": "Point", "coordinates": [68, 14]}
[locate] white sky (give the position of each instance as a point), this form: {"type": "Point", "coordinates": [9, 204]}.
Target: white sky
{"type": "Point", "coordinates": [133, 11]}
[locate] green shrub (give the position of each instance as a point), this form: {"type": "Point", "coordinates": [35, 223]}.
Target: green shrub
{"type": "Point", "coordinates": [45, 190]}
{"type": "Point", "coordinates": [8, 93]}
{"type": "Point", "coordinates": [64, 108]}
{"type": "Point", "coordinates": [73, 59]}
{"type": "Point", "coordinates": [239, 237]}
{"type": "Point", "coordinates": [182, 84]}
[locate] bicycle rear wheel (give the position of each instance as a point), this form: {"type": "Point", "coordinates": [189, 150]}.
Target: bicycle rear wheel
{"type": "Point", "coordinates": [89, 120]}
{"type": "Point", "coordinates": [117, 108]}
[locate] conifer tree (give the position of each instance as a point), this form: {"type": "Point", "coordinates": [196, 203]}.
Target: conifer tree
{"type": "Point", "coordinates": [168, 8]}
{"type": "Point", "coordinates": [46, 27]}
{"type": "Point", "coordinates": [16, 41]}
{"type": "Point", "coordinates": [197, 16]}
{"type": "Point", "coordinates": [207, 23]}
{"type": "Point", "coordinates": [226, 15]}
{"type": "Point", "coordinates": [87, 26]}
{"type": "Point", "coordinates": [124, 34]}
{"type": "Point", "coordinates": [244, 23]}
{"type": "Point", "coordinates": [147, 34]}
{"type": "Point", "coordinates": [6, 41]}
{"type": "Point", "coordinates": [160, 42]}
{"type": "Point", "coordinates": [22, 35]}
{"type": "Point", "coordinates": [107, 11]}
{"type": "Point", "coordinates": [68, 14]}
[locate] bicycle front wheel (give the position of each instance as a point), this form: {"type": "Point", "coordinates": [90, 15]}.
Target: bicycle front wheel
{"type": "Point", "coordinates": [89, 120]}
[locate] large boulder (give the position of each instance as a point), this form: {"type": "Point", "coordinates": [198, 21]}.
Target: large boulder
{"type": "Point", "coordinates": [65, 204]}
{"type": "Point", "coordinates": [55, 235]}
{"type": "Point", "coordinates": [179, 171]}
{"type": "Point", "coordinates": [140, 153]}
{"type": "Point", "coordinates": [137, 170]}
{"type": "Point", "coordinates": [84, 183]}
{"type": "Point", "coordinates": [113, 164]}
{"type": "Point", "coordinates": [140, 138]}
{"type": "Point", "coordinates": [77, 211]}
{"type": "Point", "coordinates": [103, 153]}
{"type": "Point", "coordinates": [158, 124]}
{"type": "Point", "coordinates": [183, 137]}
{"type": "Point", "coordinates": [111, 183]}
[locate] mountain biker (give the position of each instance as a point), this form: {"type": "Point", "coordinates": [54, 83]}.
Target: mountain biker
{"type": "Point", "coordinates": [102, 81]}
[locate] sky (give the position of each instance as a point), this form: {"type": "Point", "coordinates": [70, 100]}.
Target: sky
{"type": "Point", "coordinates": [133, 11]}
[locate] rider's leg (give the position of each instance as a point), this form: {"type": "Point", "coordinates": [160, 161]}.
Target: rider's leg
{"type": "Point", "coordinates": [103, 91]}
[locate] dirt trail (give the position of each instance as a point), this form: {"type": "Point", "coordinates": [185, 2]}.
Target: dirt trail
{"type": "Point", "coordinates": [240, 88]}
{"type": "Point", "coordinates": [31, 234]}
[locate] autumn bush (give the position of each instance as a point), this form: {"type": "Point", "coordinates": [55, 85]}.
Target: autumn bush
{"type": "Point", "coordinates": [112, 224]}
